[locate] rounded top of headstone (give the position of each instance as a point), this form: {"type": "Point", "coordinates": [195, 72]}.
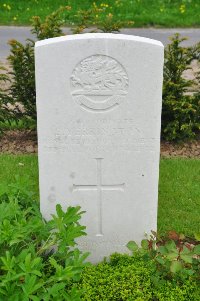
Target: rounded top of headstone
{"type": "Point", "coordinates": [87, 36]}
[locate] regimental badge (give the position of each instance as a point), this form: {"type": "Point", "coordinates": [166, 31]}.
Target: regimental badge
{"type": "Point", "coordinates": [99, 83]}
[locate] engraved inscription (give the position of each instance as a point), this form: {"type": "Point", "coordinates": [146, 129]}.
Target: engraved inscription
{"type": "Point", "coordinates": [99, 187]}
{"type": "Point", "coordinates": [99, 83]}
{"type": "Point", "coordinates": [99, 135]}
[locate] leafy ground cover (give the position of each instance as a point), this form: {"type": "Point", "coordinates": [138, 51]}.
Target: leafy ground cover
{"type": "Point", "coordinates": [135, 278]}
{"type": "Point", "coordinates": [167, 13]}
{"type": "Point", "coordinates": [31, 268]}
{"type": "Point", "coordinates": [179, 190]}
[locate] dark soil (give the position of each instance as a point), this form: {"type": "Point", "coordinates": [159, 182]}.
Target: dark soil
{"type": "Point", "coordinates": [184, 150]}
{"type": "Point", "coordinates": [25, 142]}
{"type": "Point", "coordinates": [19, 142]}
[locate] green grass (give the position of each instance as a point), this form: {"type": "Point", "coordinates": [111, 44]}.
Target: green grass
{"type": "Point", "coordinates": [19, 172]}
{"type": "Point", "coordinates": [179, 196]}
{"type": "Point", "coordinates": [179, 189]}
{"type": "Point", "coordinates": [167, 13]}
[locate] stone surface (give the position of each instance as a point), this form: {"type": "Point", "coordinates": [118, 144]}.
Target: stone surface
{"type": "Point", "coordinates": [99, 111]}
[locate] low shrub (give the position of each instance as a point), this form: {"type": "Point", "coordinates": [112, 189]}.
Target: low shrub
{"type": "Point", "coordinates": [175, 256]}
{"type": "Point", "coordinates": [31, 267]}
{"type": "Point", "coordinates": [100, 18]}
{"type": "Point", "coordinates": [39, 260]}
{"type": "Point", "coordinates": [131, 278]}
{"type": "Point", "coordinates": [51, 26]}
{"type": "Point", "coordinates": [180, 111]}
{"type": "Point", "coordinates": [122, 278]}
{"type": "Point", "coordinates": [161, 269]}
{"type": "Point", "coordinates": [171, 291]}
{"type": "Point", "coordinates": [22, 89]}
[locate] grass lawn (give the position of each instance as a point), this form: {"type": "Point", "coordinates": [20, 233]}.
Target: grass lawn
{"type": "Point", "coordinates": [179, 189]}
{"type": "Point", "coordinates": [167, 13]}
{"type": "Point", "coordinates": [179, 196]}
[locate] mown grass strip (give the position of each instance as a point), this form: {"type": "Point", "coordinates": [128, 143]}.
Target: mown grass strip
{"type": "Point", "coordinates": [164, 13]}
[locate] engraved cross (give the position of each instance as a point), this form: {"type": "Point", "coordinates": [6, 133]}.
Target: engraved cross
{"type": "Point", "coordinates": [99, 187]}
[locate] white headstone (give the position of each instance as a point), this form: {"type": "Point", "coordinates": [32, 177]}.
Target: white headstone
{"type": "Point", "coordinates": [99, 111]}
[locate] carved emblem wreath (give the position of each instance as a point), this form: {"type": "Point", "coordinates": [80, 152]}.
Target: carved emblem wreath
{"type": "Point", "coordinates": [99, 83]}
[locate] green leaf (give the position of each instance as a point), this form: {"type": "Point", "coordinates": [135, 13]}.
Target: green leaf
{"type": "Point", "coordinates": [54, 290]}
{"type": "Point", "coordinates": [145, 244]}
{"type": "Point", "coordinates": [196, 250]}
{"type": "Point", "coordinates": [172, 255]}
{"type": "Point", "coordinates": [132, 246]}
{"type": "Point", "coordinates": [185, 251]}
{"type": "Point", "coordinates": [36, 272]}
{"type": "Point", "coordinates": [181, 236]}
{"type": "Point", "coordinates": [160, 260]}
{"type": "Point", "coordinates": [186, 258]}
{"type": "Point", "coordinates": [59, 211]}
{"type": "Point", "coordinates": [197, 236]}
{"type": "Point", "coordinates": [31, 285]}
{"type": "Point", "coordinates": [171, 246]}
{"type": "Point", "coordinates": [189, 272]}
{"type": "Point", "coordinates": [176, 266]}
{"type": "Point", "coordinates": [34, 298]}
{"type": "Point", "coordinates": [162, 250]}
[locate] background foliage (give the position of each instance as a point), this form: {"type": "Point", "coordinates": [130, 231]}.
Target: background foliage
{"type": "Point", "coordinates": [181, 110]}
{"type": "Point", "coordinates": [180, 113]}
{"type": "Point", "coordinates": [4, 114]}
